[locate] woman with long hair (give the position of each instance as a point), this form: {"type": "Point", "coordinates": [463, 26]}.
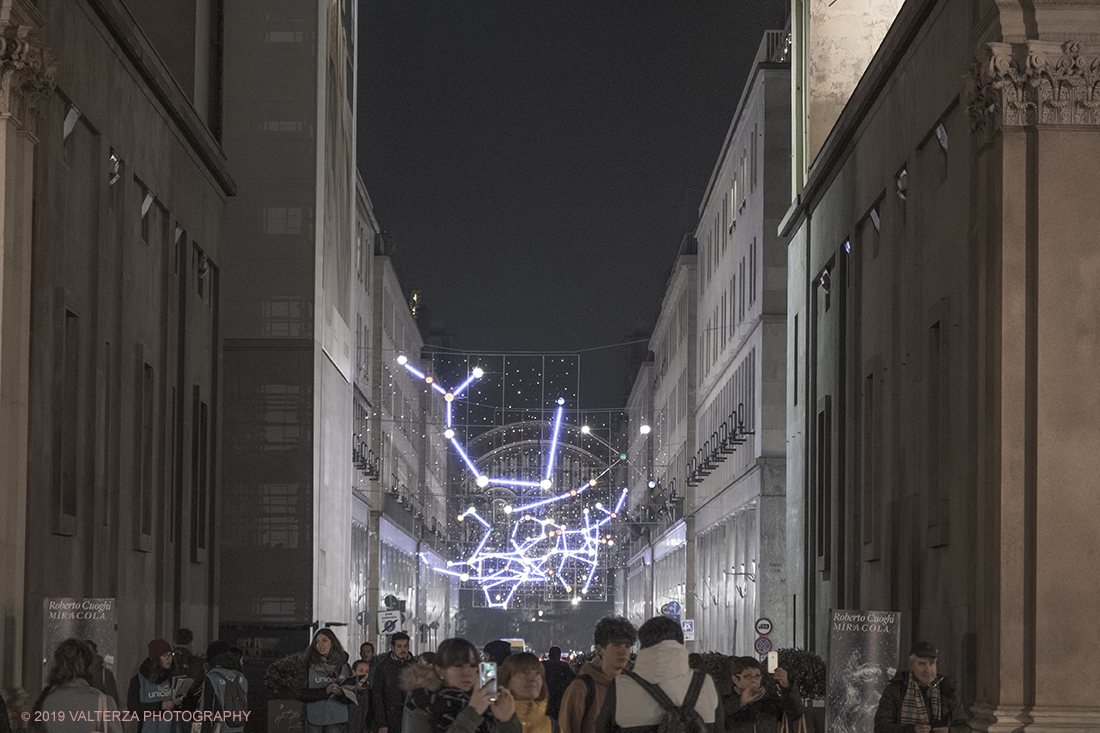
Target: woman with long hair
{"type": "Point", "coordinates": [523, 675]}
{"type": "Point", "coordinates": [69, 691]}
{"type": "Point", "coordinates": [326, 667]}
{"type": "Point", "coordinates": [445, 697]}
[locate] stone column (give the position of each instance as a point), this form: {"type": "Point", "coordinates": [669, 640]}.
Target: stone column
{"type": "Point", "coordinates": [1036, 107]}
{"type": "Point", "coordinates": [27, 74]}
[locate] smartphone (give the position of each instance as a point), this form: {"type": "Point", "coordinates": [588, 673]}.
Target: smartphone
{"type": "Point", "coordinates": [773, 661]}
{"type": "Point", "coordinates": [487, 675]}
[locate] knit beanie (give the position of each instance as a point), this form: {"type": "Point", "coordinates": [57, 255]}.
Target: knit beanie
{"type": "Point", "coordinates": [157, 647]}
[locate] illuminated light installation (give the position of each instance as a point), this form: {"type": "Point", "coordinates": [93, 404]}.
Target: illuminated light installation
{"type": "Point", "coordinates": [540, 547]}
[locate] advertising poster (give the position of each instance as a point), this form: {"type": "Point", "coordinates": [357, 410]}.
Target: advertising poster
{"type": "Point", "coordinates": [863, 657]}
{"type": "Point", "coordinates": [79, 618]}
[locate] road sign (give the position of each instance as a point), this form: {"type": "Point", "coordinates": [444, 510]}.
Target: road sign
{"type": "Point", "coordinates": [671, 610]}
{"type": "Point", "coordinates": [688, 627]}
{"type": "Point", "coordinates": [763, 626]}
{"type": "Point", "coordinates": [763, 645]}
{"type": "Point", "coordinates": [389, 622]}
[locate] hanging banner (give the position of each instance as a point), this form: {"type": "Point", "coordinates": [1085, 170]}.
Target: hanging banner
{"type": "Point", "coordinates": [79, 618]}
{"type": "Point", "coordinates": [863, 656]}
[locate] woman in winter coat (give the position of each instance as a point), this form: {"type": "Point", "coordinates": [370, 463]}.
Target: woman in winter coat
{"type": "Point", "coordinates": [151, 690]}
{"type": "Point", "coordinates": [445, 697]}
{"type": "Point", "coordinates": [326, 665]}
{"type": "Point", "coordinates": [524, 676]}
{"type": "Point", "coordinates": [69, 691]}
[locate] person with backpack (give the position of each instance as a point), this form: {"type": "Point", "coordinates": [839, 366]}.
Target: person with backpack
{"type": "Point", "coordinates": [224, 690]}
{"type": "Point", "coordinates": [70, 704]}
{"type": "Point", "coordinates": [326, 665]}
{"type": "Point", "coordinates": [184, 663]}
{"type": "Point", "coordinates": [583, 698]}
{"type": "Point", "coordinates": [752, 708]}
{"type": "Point", "coordinates": [662, 694]}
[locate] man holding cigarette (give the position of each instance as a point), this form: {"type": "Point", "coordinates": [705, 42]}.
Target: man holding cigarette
{"type": "Point", "coordinates": [920, 700]}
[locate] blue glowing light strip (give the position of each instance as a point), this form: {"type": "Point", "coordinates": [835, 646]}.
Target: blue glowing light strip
{"type": "Point", "coordinates": [449, 413]}
{"type": "Point", "coordinates": [415, 371]}
{"type": "Point", "coordinates": [437, 388]}
{"type": "Point", "coordinates": [552, 499]}
{"type": "Point", "coordinates": [464, 385]}
{"type": "Point", "coordinates": [622, 498]}
{"type": "Point", "coordinates": [516, 482]}
{"type": "Point", "coordinates": [554, 442]}
{"type": "Point", "coordinates": [465, 457]}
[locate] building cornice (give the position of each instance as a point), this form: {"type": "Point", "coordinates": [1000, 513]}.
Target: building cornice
{"type": "Point", "coordinates": [1034, 83]}
{"type": "Point", "coordinates": [28, 69]}
{"type": "Point", "coordinates": [140, 52]}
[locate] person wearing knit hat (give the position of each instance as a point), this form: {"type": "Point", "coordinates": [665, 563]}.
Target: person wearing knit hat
{"type": "Point", "coordinates": [151, 689]}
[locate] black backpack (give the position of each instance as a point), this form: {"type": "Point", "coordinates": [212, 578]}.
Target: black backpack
{"type": "Point", "coordinates": [235, 699]}
{"type": "Point", "coordinates": [682, 718]}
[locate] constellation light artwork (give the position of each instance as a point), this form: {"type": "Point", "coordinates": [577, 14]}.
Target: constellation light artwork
{"type": "Point", "coordinates": [534, 550]}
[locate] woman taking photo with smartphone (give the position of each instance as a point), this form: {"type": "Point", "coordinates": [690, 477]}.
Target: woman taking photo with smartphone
{"type": "Point", "coordinates": [523, 675]}
{"type": "Point", "coordinates": [446, 698]}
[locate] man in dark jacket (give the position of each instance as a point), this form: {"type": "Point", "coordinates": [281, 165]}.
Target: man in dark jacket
{"type": "Point", "coordinates": [752, 708]}
{"type": "Point", "coordinates": [662, 662]}
{"type": "Point", "coordinates": [920, 700]}
{"type": "Point", "coordinates": [184, 662]}
{"type": "Point", "coordinates": [103, 679]}
{"type": "Point", "coordinates": [558, 676]}
{"type": "Point", "coordinates": [387, 697]}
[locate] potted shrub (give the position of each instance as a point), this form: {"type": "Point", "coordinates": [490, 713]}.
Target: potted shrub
{"type": "Point", "coordinates": [281, 681]}
{"type": "Point", "coordinates": [808, 671]}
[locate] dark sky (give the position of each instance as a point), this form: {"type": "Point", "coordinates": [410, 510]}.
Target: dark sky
{"type": "Point", "coordinates": [532, 159]}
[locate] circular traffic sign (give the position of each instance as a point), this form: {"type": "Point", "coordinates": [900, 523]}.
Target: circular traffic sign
{"type": "Point", "coordinates": [763, 645]}
{"type": "Point", "coordinates": [763, 626]}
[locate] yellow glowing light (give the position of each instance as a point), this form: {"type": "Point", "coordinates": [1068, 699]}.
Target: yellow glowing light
{"type": "Point", "coordinates": [449, 397]}
{"type": "Point", "coordinates": [592, 482]}
{"type": "Point", "coordinates": [429, 379]}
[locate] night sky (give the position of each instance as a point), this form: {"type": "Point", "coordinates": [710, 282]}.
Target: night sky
{"type": "Point", "coordinates": [532, 159]}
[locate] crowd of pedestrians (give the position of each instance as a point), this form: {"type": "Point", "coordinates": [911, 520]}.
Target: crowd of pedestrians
{"type": "Point", "coordinates": [174, 690]}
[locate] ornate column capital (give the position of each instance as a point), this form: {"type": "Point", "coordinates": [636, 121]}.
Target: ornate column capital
{"type": "Point", "coordinates": [28, 73]}
{"type": "Point", "coordinates": [1034, 83]}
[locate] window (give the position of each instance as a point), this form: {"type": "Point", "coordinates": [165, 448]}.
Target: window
{"type": "Point", "coordinates": [146, 211]}
{"type": "Point", "coordinates": [200, 427]}
{"type": "Point", "coordinates": [871, 459]}
{"type": "Point", "coordinates": [282, 220]}
{"type": "Point", "coordinates": [794, 351]}
{"type": "Point", "coordinates": [823, 494]}
{"type": "Point", "coordinates": [938, 429]}
{"type": "Point", "coordinates": [144, 451]}
{"type": "Point", "coordinates": [752, 271]}
{"type": "Point", "coordinates": [66, 464]}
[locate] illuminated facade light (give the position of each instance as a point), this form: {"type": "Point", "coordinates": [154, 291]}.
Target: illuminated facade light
{"type": "Point", "coordinates": [585, 429]}
{"type": "Point", "coordinates": [483, 481]}
{"type": "Point", "coordinates": [644, 429]}
{"type": "Point", "coordinates": [448, 433]}
{"type": "Point", "coordinates": [402, 359]}
{"type": "Point", "coordinates": [478, 373]}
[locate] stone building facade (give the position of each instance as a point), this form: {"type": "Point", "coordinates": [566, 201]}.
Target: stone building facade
{"type": "Point", "coordinates": [738, 506]}
{"type": "Point", "coordinates": [114, 189]}
{"type": "Point", "coordinates": [941, 391]}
